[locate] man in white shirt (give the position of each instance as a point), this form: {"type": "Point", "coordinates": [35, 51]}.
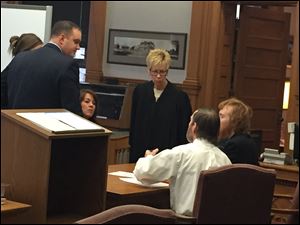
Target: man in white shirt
{"type": "Point", "coordinates": [182, 164]}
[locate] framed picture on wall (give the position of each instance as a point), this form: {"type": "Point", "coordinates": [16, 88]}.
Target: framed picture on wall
{"type": "Point", "coordinates": [131, 47]}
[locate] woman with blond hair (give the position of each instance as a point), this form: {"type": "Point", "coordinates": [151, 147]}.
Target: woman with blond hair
{"type": "Point", "coordinates": [160, 111]}
{"type": "Point", "coordinates": [234, 138]}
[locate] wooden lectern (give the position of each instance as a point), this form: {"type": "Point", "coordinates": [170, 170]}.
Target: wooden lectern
{"type": "Point", "coordinates": [60, 175]}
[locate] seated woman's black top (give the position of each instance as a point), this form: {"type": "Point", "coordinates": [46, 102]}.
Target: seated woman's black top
{"type": "Point", "coordinates": [240, 148]}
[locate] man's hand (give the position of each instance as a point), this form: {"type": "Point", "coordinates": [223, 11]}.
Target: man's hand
{"type": "Point", "coordinates": [151, 152]}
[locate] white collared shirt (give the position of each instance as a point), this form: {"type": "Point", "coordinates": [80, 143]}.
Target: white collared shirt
{"type": "Point", "coordinates": [55, 45]}
{"type": "Point", "coordinates": [157, 93]}
{"type": "Point", "coordinates": [181, 166]}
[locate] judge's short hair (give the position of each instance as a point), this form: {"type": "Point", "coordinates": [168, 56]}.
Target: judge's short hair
{"type": "Point", "coordinates": [158, 57]}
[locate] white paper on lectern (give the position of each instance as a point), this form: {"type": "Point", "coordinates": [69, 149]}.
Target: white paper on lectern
{"type": "Point", "coordinates": [74, 120]}
{"type": "Point", "coordinates": [42, 120]}
{"type": "Point", "coordinates": [61, 121]}
{"type": "Point", "coordinates": [133, 180]}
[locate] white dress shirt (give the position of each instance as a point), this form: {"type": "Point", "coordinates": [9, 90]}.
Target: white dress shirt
{"type": "Point", "coordinates": [181, 166]}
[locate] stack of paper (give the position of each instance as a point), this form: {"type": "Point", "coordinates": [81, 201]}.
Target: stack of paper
{"type": "Point", "coordinates": [273, 156]}
{"type": "Point", "coordinates": [61, 122]}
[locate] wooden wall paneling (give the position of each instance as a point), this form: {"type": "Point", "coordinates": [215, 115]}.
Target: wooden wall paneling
{"type": "Point", "coordinates": [293, 110]}
{"type": "Point", "coordinates": [94, 73]}
{"type": "Point", "coordinates": [226, 43]}
{"type": "Point", "coordinates": [261, 66]}
{"type": "Point", "coordinates": [203, 53]}
{"type": "Point", "coordinates": [262, 3]}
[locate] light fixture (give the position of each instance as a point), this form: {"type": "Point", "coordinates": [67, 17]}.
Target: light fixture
{"type": "Point", "coordinates": [286, 95]}
{"type": "Point", "coordinates": [237, 14]}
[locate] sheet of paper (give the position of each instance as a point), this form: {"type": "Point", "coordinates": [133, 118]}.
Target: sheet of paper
{"type": "Point", "coordinates": [60, 122]}
{"type": "Point", "coordinates": [74, 120]}
{"type": "Point", "coordinates": [122, 174]}
{"type": "Point", "coordinates": [42, 120]}
{"type": "Point", "coordinates": [133, 180]}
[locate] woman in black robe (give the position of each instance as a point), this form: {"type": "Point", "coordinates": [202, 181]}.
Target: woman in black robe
{"type": "Point", "coordinates": [160, 111]}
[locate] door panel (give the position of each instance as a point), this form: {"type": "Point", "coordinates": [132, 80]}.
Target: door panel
{"type": "Point", "coordinates": [223, 78]}
{"type": "Point", "coordinates": [260, 68]}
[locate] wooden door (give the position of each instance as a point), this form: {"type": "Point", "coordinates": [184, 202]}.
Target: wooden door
{"type": "Point", "coordinates": [260, 68]}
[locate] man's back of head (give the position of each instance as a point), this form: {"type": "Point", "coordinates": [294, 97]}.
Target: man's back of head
{"type": "Point", "coordinates": [208, 124]}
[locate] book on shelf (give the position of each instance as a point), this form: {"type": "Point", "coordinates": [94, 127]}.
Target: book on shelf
{"type": "Point", "coordinates": [61, 122]}
{"type": "Point", "coordinates": [271, 151]}
{"type": "Point", "coordinates": [274, 161]}
{"type": "Point", "coordinates": [276, 156]}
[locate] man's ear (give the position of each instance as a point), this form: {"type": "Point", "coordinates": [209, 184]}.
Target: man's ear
{"type": "Point", "coordinates": [194, 128]}
{"type": "Point", "coordinates": [61, 39]}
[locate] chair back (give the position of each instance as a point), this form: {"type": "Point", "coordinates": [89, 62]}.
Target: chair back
{"type": "Point", "coordinates": [237, 193]}
{"type": "Point", "coordinates": [132, 214]}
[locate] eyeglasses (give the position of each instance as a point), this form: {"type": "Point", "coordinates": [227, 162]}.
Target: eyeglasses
{"type": "Point", "coordinates": [160, 72]}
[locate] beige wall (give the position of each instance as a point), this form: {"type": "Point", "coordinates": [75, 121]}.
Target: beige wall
{"type": "Point", "coordinates": [160, 16]}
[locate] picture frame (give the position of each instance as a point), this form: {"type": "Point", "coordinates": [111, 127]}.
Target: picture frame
{"type": "Point", "coordinates": [131, 47]}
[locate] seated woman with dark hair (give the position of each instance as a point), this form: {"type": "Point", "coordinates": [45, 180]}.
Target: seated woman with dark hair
{"type": "Point", "coordinates": [234, 138]}
{"type": "Point", "coordinates": [88, 101]}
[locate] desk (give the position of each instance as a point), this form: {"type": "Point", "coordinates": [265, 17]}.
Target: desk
{"type": "Point", "coordinates": [11, 212]}
{"type": "Point", "coordinates": [287, 177]}
{"type": "Point", "coordinates": [121, 193]}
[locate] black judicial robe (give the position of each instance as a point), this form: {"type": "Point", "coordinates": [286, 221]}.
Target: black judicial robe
{"type": "Point", "coordinates": [158, 124]}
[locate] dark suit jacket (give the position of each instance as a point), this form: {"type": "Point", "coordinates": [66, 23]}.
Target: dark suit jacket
{"type": "Point", "coordinates": [158, 124]}
{"type": "Point", "coordinates": [43, 78]}
{"type": "Point", "coordinates": [240, 148]}
{"type": "Point", "coordinates": [4, 100]}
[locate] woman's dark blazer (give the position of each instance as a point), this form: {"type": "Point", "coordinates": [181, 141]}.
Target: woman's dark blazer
{"type": "Point", "coordinates": [240, 148]}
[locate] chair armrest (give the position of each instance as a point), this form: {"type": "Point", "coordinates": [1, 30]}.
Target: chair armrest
{"type": "Point", "coordinates": [182, 219]}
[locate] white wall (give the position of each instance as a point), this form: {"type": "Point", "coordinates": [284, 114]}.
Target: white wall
{"type": "Point", "coordinates": [162, 16]}
{"type": "Point", "coordinates": [19, 19]}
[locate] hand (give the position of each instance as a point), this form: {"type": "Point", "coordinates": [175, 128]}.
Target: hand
{"type": "Point", "coordinates": [151, 152]}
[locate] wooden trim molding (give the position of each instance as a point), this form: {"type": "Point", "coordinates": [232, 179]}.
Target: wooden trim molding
{"type": "Point", "coordinates": [204, 52]}
{"type": "Point", "coordinates": [94, 73]}
{"type": "Point", "coordinates": [293, 110]}
{"type": "Point", "coordinates": [262, 3]}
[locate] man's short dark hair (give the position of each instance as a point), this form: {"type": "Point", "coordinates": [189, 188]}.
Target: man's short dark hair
{"type": "Point", "coordinates": [208, 124]}
{"type": "Point", "coordinates": [63, 27]}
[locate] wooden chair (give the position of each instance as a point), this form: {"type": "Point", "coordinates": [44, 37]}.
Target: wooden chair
{"type": "Point", "coordinates": [237, 193]}
{"type": "Point", "coordinates": [132, 214]}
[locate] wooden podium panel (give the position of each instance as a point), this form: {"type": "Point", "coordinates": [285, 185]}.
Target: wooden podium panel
{"type": "Point", "coordinates": [58, 174]}
{"type": "Point", "coordinates": [287, 177]}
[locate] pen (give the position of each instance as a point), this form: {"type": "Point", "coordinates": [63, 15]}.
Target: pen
{"type": "Point", "coordinates": [67, 124]}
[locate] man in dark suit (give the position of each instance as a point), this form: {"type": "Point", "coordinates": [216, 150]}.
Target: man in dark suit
{"type": "Point", "coordinates": [47, 77]}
